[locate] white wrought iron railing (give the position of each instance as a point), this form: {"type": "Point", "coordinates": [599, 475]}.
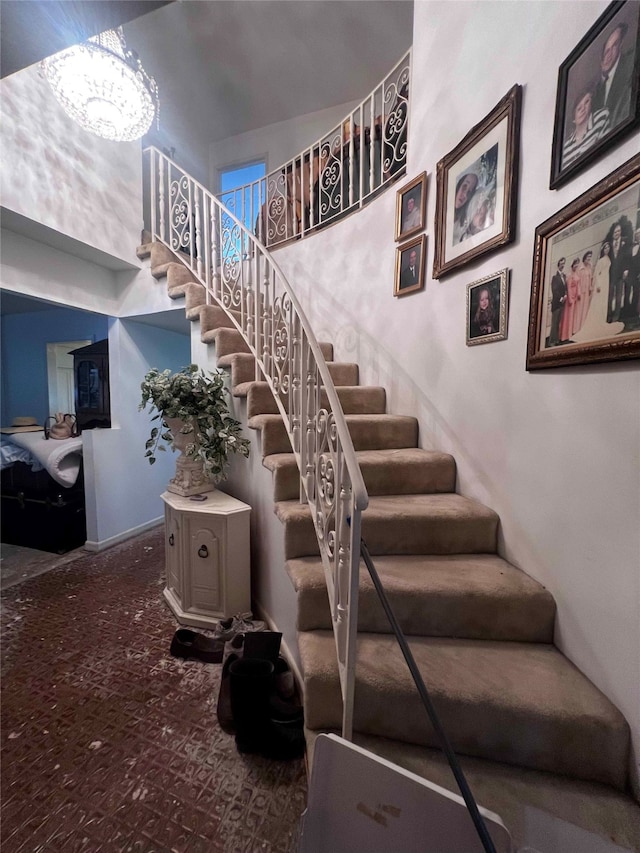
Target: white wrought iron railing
{"type": "Point", "coordinates": [240, 275]}
{"type": "Point", "coordinates": [338, 173]}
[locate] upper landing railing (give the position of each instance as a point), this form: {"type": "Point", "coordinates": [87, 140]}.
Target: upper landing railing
{"type": "Point", "coordinates": [338, 173]}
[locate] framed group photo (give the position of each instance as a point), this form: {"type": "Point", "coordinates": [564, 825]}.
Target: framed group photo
{"type": "Point", "coordinates": [477, 189]}
{"type": "Point", "coordinates": [487, 308]}
{"type": "Point", "coordinates": [410, 262]}
{"type": "Point", "coordinates": [585, 292]}
{"type": "Point", "coordinates": [411, 205]}
{"type": "Point", "coordinates": [598, 96]}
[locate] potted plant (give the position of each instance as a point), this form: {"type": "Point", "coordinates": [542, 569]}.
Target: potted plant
{"type": "Point", "coordinates": [196, 420]}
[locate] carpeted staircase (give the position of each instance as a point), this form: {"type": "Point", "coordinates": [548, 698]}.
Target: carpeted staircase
{"type": "Point", "coordinates": [481, 630]}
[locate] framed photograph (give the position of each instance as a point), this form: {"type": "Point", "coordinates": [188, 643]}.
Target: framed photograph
{"type": "Point", "coordinates": [598, 97]}
{"type": "Point", "coordinates": [410, 259]}
{"type": "Point", "coordinates": [487, 309]}
{"type": "Point", "coordinates": [477, 189]}
{"type": "Point", "coordinates": [585, 292]}
{"type": "Point", "coordinates": [411, 205]}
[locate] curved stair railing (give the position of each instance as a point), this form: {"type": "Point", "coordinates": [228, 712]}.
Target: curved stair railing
{"type": "Point", "coordinates": [340, 172]}
{"type": "Point", "coordinates": [240, 275]}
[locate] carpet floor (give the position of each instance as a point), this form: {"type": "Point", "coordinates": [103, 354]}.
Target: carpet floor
{"type": "Point", "coordinates": [110, 744]}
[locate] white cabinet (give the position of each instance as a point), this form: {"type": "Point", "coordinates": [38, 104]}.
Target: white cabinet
{"type": "Point", "coordinates": [207, 558]}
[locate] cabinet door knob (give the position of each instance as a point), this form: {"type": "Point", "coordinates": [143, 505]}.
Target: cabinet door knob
{"type": "Point", "coordinates": [203, 551]}
{"type": "Point", "coordinates": [171, 540]}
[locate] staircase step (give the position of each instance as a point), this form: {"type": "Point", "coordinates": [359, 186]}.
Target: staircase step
{"type": "Point", "coordinates": [580, 815]}
{"type": "Point", "coordinates": [368, 432]}
{"type": "Point", "coordinates": [477, 596]}
{"type": "Point", "coordinates": [242, 366]}
{"type": "Point", "coordinates": [213, 317]}
{"type": "Point", "coordinates": [403, 524]}
{"type": "Point", "coordinates": [517, 703]}
{"type": "Point", "coordinates": [195, 297]}
{"type": "Point", "coordinates": [177, 275]}
{"type": "Point", "coordinates": [227, 342]}
{"type": "Point", "coordinates": [161, 259]}
{"type": "Point", "coordinates": [354, 399]}
{"type": "Point", "coordinates": [344, 373]}
{"type": "Point", "coordinates": [404, 471]}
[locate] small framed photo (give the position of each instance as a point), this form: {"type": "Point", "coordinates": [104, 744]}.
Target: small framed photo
{"type": "Point", "coordinates": [598, 97]}
{"type": "Point", "coordinates": [585, 292]}
{"type": "Point", "coordinates": [477, 189]}
{"type": "Point", "coordinates": [410, 260]}
{"type": "Point", "coordinates": [411, 205]}
{"type": "Point", "coordinates": [487, 309]}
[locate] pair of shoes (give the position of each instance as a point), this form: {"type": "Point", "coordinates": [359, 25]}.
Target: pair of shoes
{"type": "Point", "coordinates": [189, 644]}
{"type": "Point", "coordinates": [241, 623]}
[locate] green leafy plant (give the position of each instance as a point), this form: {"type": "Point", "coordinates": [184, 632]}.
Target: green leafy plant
{"type": "Point", "coordinates": [200, 401]}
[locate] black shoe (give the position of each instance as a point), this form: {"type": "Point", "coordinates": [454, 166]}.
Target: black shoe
{"type": "Point", "coordinates": [189, 644]}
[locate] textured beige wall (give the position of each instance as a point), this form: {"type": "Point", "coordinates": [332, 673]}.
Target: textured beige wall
{"type": "Point", "coordinates": [58, 174]}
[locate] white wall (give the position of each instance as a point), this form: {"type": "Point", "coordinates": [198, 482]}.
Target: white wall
{"type": "Point", "coordinates": [123, 489]}
{"type": "Point", "coordinates": [554, 452]}
{"type": "Point", "coordinates": [276, 143]}
{"type": "Point", "coordinates": [58, 174]}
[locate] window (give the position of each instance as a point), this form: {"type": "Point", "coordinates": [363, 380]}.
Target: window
{"type": "Point", "coordinates": [240, 191]}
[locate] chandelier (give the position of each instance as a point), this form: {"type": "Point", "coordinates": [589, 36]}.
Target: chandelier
{"type": "Point", "coordinates": [104, 87]}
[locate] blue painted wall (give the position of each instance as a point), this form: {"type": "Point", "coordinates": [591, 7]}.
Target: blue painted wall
{"type": "Point", "coordinates": [24, 355]}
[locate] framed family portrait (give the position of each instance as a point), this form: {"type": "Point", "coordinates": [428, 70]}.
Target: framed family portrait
{"type": "Point", "coordinates": [487, 309]}
{"type": "Point", "coordinates": [598, 97]}
{"type": "Point", "coordinates": [585, 292]}
{"type": "Point", "coordinates": [477, 189]}
{"type": "Point", "coordinates": [411, 205]}
{"type": "Point", "coordinates": [410, 261]}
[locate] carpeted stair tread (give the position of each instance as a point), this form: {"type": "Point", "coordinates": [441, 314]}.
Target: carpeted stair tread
{"type": "Point", "coordinates": [213, 317]}
{"type": "Point", "coordinates": [400, 471]}
{"type": "Point", "coordinates": [477, 596]}
{"type": "Point", "coordinates": [403, 524]}
{"type": "Point", "coordinates": [354, 399]}
{"type": "Point", "coordinates": [523, 798]}
{"type": "Point", "coordinates": [160, 259]}
{"type": "Point", "coordinates": [368, 432]}
{"type": "Point", "coordinates": [518, 703]}
{"type": "Point", "coordinates": [227, 342]}
{"type": "Point", "coordinates": [242, 366]}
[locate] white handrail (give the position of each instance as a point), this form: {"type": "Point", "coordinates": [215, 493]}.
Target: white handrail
{"type": "Point", "coordinates": [339, 172]}
{"type": "Point", "coordinates": [240, 275]}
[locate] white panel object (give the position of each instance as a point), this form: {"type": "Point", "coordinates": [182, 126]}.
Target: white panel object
{"type": "Point", "coordinates": [359, 803]}
{"type": "Point", "coordinates": [207, 558]}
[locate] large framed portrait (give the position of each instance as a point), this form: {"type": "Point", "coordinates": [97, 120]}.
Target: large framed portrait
{"type": "Point", "coordinates": [598, 97]}
{"type": "Point", "coordinates": [411, 205]}
{"type": "Point", "coordinates": [585, 292]}
{"type": "Point", "coordinates": [410, 262]}
{"type": "Point", "coordinates": [487, 309]}
{"type": "Point", "coordinates": [477, 189]}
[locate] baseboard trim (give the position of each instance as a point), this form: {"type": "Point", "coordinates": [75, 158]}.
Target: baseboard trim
{"type": "Point", "coordinates": [103, 544]}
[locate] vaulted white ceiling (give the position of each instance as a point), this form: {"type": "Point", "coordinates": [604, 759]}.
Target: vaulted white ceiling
{"type": "Point", "coordinates": [224, 67]}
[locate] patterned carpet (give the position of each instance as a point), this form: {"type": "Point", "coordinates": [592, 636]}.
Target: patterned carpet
{"type": "Point", "coordinates": [109, 743]}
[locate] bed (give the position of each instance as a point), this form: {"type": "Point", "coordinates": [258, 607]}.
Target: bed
{"type": "Point", "coordinates": [42, 492]}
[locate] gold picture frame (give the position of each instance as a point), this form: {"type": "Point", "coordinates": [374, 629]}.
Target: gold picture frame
{"type": "Point", "coordinates": [585, 291]}
{"type": "Point", "coordinates": [411, 207]}
{"type": "Point", "coordinates": [410, 277]}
